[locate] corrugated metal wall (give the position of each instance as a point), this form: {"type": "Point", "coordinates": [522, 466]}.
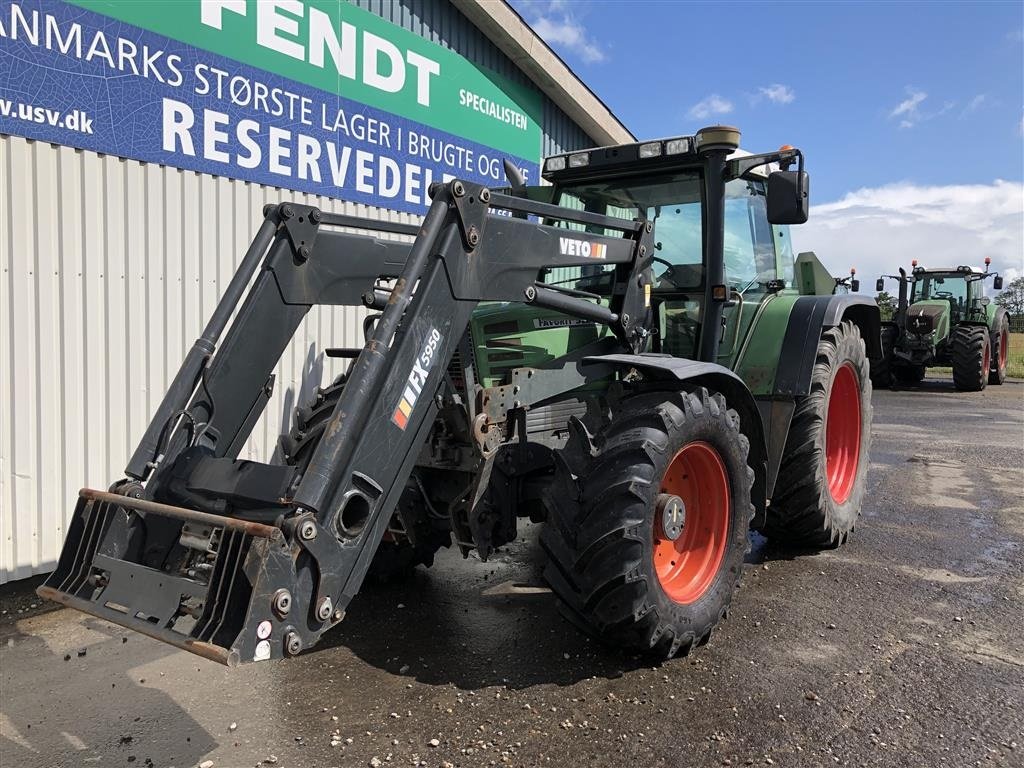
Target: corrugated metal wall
{"type": "Point", "coordinates": [110, 268]}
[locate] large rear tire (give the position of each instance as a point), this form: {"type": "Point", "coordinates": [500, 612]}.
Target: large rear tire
{"type": "Point", "coordinates": [1001, 345]}
{"type": "Point", "coordinates": [623, 570]}
{"type": "Point", "coordinates": [970, 348]}
{"type": "Point", "coordinates": [822, 476]}
{"type": "Point", "coordinates": [398, 554]}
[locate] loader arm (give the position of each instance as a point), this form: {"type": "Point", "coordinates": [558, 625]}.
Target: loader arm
{"type": "Point", "coordinates": [232, 559]}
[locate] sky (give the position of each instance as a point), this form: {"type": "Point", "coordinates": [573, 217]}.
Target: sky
{"type": "Point", "coordinates": [911, 115]}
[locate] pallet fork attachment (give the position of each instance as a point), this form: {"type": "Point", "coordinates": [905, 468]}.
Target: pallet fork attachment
{"type": "Point", "coordinates": [237, 561]}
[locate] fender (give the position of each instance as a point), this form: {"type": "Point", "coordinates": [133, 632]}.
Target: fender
{"type": "Point", "coordinates": [808, 318]}
{"type": "Point", "coordinates": [668, 372]}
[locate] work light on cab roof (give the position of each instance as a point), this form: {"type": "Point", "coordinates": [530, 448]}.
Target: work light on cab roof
{"type": "Point", "coordinates": [705, 139]}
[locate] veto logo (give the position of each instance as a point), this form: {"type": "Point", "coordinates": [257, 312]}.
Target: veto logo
{"type": "Point", "coordinates": [417, 379]}
{"type": "Point", "coordinates": [569, 246]}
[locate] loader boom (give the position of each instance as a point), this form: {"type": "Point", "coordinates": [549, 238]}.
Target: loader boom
{"type": "Point", "coordinates": [209, 533]}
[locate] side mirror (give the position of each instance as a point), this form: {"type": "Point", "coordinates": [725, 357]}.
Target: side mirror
{"type": "Point", "coordinates": [880, 284]}
{"type": "Point", "coordinates": [997, 282]}
{"type": "Point", "coordinates": [854, 286]}
{"type": "Point", "coordinates": [513, 175]}
{"type": "Point", "coordinates": [788, 196]}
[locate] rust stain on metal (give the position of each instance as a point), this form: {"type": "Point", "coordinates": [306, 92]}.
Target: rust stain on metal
{"type": "Point", "coordinates": [399, 287]}
{"type": "Point", "coordinates": [182, 513]}
{"type": "Point", "coordinates": [335, 424]}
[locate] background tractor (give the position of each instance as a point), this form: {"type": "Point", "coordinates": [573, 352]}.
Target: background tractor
{"type": "Point", "coordinates": [621, 355]}
{"type": "Point", "coordinates": [943, 318]}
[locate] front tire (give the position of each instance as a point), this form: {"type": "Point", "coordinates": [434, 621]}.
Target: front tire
{"type": "Point", "coordinates": [620, 571]}
{"type": "Point", "coordinates": [416, 539]}
{"type": "Point", "coordinates": [970, 348]}
{"type": "Point", "coordinates": [882, 369]}
{"type": "Point", "coordinates": [1001, 344]}
{"type": "Point", "coordinates": [822, 476]}
{"type": "Point", "coordinates": [908, 375]}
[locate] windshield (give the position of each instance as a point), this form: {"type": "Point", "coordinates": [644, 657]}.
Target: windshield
{"type": "Point", "coordinates": [672, 203]}
{"type": "Point", "coordinates": [950, 287]}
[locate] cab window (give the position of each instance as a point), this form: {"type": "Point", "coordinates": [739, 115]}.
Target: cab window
{"type": "Point", "coordinates": [749, 247]}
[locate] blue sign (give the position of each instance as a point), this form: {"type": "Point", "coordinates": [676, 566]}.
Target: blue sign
{"type": "Point", "coordinates": [75, 77]}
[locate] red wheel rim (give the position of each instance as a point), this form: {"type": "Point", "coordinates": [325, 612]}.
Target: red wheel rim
{"type": "Point", "coordinates": [687, 566]}
{"type": "Point", "coordinates": [985, 361]}
{"type": "Point", "coordinates": [1004, 349]}
{"type": "Point", "coordinates": [842, 434]}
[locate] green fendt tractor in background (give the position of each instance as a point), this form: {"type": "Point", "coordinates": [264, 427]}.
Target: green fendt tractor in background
{"type": "Point", "coordinates": [943, 318]}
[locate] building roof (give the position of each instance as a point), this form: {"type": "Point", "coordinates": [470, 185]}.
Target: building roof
{"type": "Point", "coordinates": [517, 40]}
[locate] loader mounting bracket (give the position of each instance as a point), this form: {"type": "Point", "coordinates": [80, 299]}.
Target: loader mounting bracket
{"type": "Point", "coordinates": [301, 222]}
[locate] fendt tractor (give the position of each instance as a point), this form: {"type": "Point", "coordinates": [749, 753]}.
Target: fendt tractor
{"type": "Point", "coordinates": [947, 321]}
{"type": "Point", "coordinates": [619, 355]}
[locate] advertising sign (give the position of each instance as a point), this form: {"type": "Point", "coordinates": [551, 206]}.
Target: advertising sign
{"type": "Point", "coordinates": [312, 95]}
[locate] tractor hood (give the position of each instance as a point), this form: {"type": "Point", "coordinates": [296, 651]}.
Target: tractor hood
{"type": "Point", "coordinates": [928, 315]}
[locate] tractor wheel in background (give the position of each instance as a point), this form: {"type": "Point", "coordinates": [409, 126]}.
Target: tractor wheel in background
{"type": "Point", "coordinates": [821, 480]}
{"type": "Point", "coordinates": [881, 369]}
{"type": "Point", "coordinates": [397, 555]}
{"type": "Point", "coordinates": [1000, 342]}
{"type": "Point", "coordinates": [908, 374]}
{"type": "Point", "coordinates": [970, 348]}
{"type": "Point", "coordinates": [647, 522]}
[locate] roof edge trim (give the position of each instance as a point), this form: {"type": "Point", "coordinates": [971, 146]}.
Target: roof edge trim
{"type": "Point", "coordinates": [517, 40]}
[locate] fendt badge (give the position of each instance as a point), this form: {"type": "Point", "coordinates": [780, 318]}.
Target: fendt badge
{"type": "Point", "coordinates": [417, 378]}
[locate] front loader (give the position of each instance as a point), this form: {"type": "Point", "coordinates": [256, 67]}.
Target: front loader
{"type": "Point", "coordinates": [621, 355]}
{"type": "Point", "coordinates": [943, 318]}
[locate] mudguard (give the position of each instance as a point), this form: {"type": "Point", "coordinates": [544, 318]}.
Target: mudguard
{"type": "Point", "coordinates": [674, 370]}
{"type": "Point", "coordinates": [809, 316]}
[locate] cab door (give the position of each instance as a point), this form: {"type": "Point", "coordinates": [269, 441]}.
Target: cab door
{"type": "Point", "coordinates": [750, 262]}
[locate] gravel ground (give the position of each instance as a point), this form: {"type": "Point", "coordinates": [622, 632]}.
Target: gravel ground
{"type": "Point", "coordinates": [903, 648]}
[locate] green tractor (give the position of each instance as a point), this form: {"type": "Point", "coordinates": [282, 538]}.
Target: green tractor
{"type": "Point", "coordinates": [943, 318]}
{"type": "Point", "coordinates": [625, 355]}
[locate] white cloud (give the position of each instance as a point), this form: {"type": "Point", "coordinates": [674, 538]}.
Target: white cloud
{"type": "Point", "coordinates": [557, 27]}
{"type": "Point", "coordinates": [879, 229]}
{"type": "Point", "coordinates": [777, 93]}
{"type": "Point", "coordinates": [709, 107]}
{"type": "Point", "coordinates": [974, 103]}
{"type": "Point", "coordinates": [908, 109]}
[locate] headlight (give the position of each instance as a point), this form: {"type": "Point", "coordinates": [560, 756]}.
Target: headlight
{"type": "Point", "coordinates": [555, 163]}
{"type": "Point", "coordinates": [579, 159]}
{"type": "Point", "coordinates": [677, 146]}
{"type": "Point", "coordinates": [653, 149]}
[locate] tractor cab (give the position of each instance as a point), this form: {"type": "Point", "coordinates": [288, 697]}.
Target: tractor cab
{"type": "Point", "coordinates": [961, 289]}
{"type": "Point", "coordinates": [722, 245]}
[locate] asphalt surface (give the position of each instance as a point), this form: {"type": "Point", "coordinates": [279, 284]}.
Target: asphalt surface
{"type": "Point", "coordinates": [903, 648]}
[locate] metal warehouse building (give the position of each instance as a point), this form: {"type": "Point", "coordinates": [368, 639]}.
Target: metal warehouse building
{"type": "Point", "coordinates": [138, 145]}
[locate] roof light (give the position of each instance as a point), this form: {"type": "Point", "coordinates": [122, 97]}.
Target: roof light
{"type": "Point", "coordinates": [853, 271]}
{"type": "Point", "coordinates": [579, 160]}
{"type": "Point", "coordinates": [652, 149]}
{"type": "Point", "coordinates": [988, 260]}
{"type": "Point", "coordinates": [913, 263]}
{"type": "Point", "coordinates": [785, 147]}
{"type": "Point", "coordinates": [677, 146]}
{"type": "Point", "coordinates": [555, 163]}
